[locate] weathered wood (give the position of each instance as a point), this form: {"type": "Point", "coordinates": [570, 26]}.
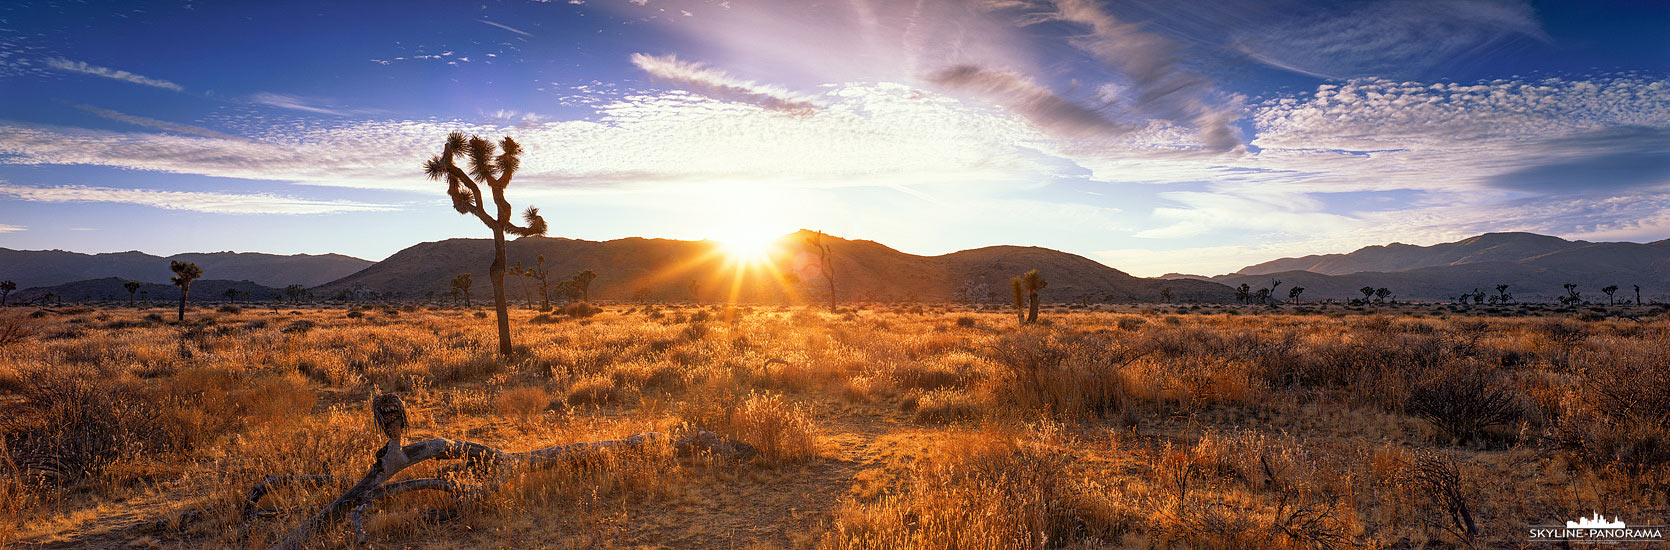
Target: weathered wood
{"type": "Point", "coordinates": [389, 414]}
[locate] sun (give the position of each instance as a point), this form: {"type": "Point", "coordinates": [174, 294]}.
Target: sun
{"type": "Point", "coordinates": [746, 245]}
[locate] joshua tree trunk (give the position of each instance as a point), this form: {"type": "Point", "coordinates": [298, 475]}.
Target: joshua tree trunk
{"type": "Point", "coordinates": [1032, 309]}
{"type": "Point", "coordinates": [497, 275]}
{"type": "Point", "coordinates": [183, 291]}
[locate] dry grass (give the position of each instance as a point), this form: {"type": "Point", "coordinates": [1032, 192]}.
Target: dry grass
{"type": "Point", "coordinates": [880, 427]}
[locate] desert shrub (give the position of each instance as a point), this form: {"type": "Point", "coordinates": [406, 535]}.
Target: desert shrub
{"type": "Point", "coordinates": [991, 496]}
{"type": "Point", "coordinates": [523, 401]}
{"type": "Point", "coordinates": [1462, 402]}
{"type": "Point", "coordinates": [1131, 323]}
{"type": "Point", "coordinates": [299, 326]}
{"type": "Point", "coordinates": [593, 390]}
{"type": "Point", "coordinates": [230, 309]}
{"type": "Point", "coordinates": [14, 329]}
{"type": "Point", "coordinates": [782, 431]}
{"type": "Point", "coordinates": [942, 405]}
{"type": "Point", "coordinates": [479, 315]}
{"type": "Point", "coordinates": [154, 317]}
{"type": "Point", "coordinates": [75, 426]}
{"type": "Point", "coordinates": [580, 310]}
{"type": "Point", "coordinates": [544, 319]}
{"type": "Point", "coordinates": [967, 322]}
{"type": "Point", "coordinates": [1062, 373]}
{"type": "Point", "coordinates": [356, 314]}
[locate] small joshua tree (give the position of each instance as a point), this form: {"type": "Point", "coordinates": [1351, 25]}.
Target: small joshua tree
{"type": "Point", "coordinates": [295, 293]}
{"type": "Point", "coordinates": [467, 198]}
{"type": "Point", "coordinates": [6, 288]}
{"type": "Point", "coordinates": [1610, 290]}
{"type": "Point", "coordinates": [1572, 295]}
{"type": "Point", "coordinates": [1381, 293]}
{"type": "Point", "coordinates": [461, 286]}
{"type": "Point", "coordinates": [1034, 283]}
{"type": "Point", "coordinates": [541, 274]}
{"type": "Point", "coordinates": [1018, 289]}
{"type": "Point", "coordinates": [1243, 293]}
{"type": "Point", "coordinates": [131, 287]}
{"type": "Point", "coordinates": [1294, 292]}
{"type": "Point", "coordinates": [1637, 295]}
{"type": "Point", "coordinates": [1368, 292]}
{"type": "Point", "coordinates": [1165, 294]}
{"type": "Point", "coordinates": [582, 282]}
{"type": "Point", "coordinates": [184, 274]}
{"type": "Point", "coordinates": [231, 295]}
{"type": "Point", "coordinates": [1502, 293]}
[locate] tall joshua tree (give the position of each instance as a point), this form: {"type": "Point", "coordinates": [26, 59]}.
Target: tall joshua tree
{"type": "Point", "coordinates": [1018, 289]}
{"type": "Point", "coordinates": [1610, 290]}
{"type": "Point", "coordinates": [131, 287]}
{"type": "Point", "coordinates": [6, 288]}
{"type": "Point", "coordinates": [494, 170]}
{"type": "Point", "coordinates": [815, 242]}
{"type": "Point", "coordinates": [1034, 283]}
{"type": "Point", "coordinates": [184, 274]}
{"type": "Point", "coordinates": [1502, 293]}
{"type": "Point", "coordinates": [461, 286]}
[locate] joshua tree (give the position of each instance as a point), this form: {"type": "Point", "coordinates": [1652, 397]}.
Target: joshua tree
{"type": "Point", "coordinates": [6, 288]}
{"type": "Point", "coordinates": [461, 286]}
{"type": "Point", "coordinates": [1381, 293]}
{"type": "Point", "coordinates": [815, 242]}
{"type": "Point", "coordinates": [695, 287]}
{"type": "Point", "coordinates": [1368, 292]}
{"type": "Point", "coordinates": [1637, 295]}
{"type": "Point", "coordinates": [467, 198]}
{"type": "Point", "coordinates": [1502, 293]}
{"type": "Point", "coordinates": [541, 274]}
{"type": "Point", "coordinates": [583, 281]}
{"type": "Point", "coordinates": [184, 274]}
{"type": "Point", "coordinates": [131, 287]}
{"type": "Point", "coordinates": [1034, 283]}
{"type": "Point", "coordinates": [295, 292]}
{"type": "Point", "coordinates": [1018, 289]}
{"type": "Point", "coordinates": [1610, 290]}
{"type": "Point", "coordinates": [1165, 294]}
{"type": "Point", "coordinates": [1293, 293]}
{"type": "Point", "coordinates": [1273, 284]}
{"type": "Point", "coordinates": [569, 289]}
{"type": "Point", "coordinates": [1572, 295]}
{"type": "Point", "coordinates": [231, 295]}
{"type": "Point", "coordinates": [1243, 293]}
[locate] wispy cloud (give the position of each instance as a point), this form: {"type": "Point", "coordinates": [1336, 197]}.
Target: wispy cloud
{"type": "Point", "coordinates": [719, 84]}
{"type": "Point", "coordinates": [149, 122]}
{"type": "Point", "coordinates": [214, 203]}
{"type": "Point", "coordinates": [506, 27]}
{"type": "Point", "coordinates": [95, 70]}
{"type": "Point", "coordinates": [4, 228]}
{"type": "Point", "coordinates": [1025, 97]}
{"type": "Point", "coordinates": [296, 103]}
{"type": "Point", "coordinates": [1396, 39]}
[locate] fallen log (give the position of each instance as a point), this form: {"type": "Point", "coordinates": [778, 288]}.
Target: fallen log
{"type": "Point", "coordinates": [485, 463]}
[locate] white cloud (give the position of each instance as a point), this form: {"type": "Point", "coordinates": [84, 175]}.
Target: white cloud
{"type": "Point", "coordinates": [719, 84]}
{"type": "Point", "coordinates": [4, 228]}
{"type": "Point", "coordinates": [215, 203]}
{"type": "Point", "coordinates": [95, 70]}
{"type": "Point", "coordinates": [1402, 38]}
{"type": "Point", "coordinates": [149, 122]}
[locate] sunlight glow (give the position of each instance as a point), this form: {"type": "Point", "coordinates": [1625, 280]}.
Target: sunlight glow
{"type": "Point", "coordinates": [749, 220]}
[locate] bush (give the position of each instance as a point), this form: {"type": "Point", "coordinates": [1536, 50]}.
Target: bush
{"type": "Point", "coordinates": [299, 326]}
{"type": "Point", "coordinates": [1465, 402]}
{"type": "Point", "coordinates": [230, 309]}
{"type": "Point", "coordinates": [524, 402]}
{"type": "Point", "coordinates": [544, 319]}
{"type": "Point", "coordinates": [78, 426]}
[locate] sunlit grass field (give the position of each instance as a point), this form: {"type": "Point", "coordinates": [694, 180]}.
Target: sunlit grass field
{"type": "Point", "coordinates": [879, 426]}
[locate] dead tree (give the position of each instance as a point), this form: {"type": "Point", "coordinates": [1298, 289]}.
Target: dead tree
{"type": "Point", "coordinates": [815, 242]}
{"type": "Point", "coordinates": [467, 198]}
{"type": "Point", "coordinates": [481, 470]}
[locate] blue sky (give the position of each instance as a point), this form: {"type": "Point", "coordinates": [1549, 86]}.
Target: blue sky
{"type": "Point", "coordinates": [1152, 136]}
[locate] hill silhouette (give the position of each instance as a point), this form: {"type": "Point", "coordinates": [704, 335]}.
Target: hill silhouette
{"type": "Point", "coordinates": [32, 268]}
{"type": "Point", "coordinates": [110, 289]}
{"type": "Point", "coordinates": [663, 269]}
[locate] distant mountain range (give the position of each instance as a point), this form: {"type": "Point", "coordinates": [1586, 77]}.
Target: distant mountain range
{"type": "Point", "coordinates": [110, 289]}
{"type": "Point", "coordinates": [663, 269]}
{"type": "Point", "coordinates": [1535, 268]}
{"type": "Point", "coordinates": [32, 268]}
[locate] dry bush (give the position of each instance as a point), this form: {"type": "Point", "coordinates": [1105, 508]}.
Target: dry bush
{"type": "Point", "coordinates": [944, 405]}
{"type": "Point", "coordinates": [1061, 373]}
{"type": "Point", "coordinates": [1463, 401]}
{"type": "Point", "coordinates": [14, 329]}
{"type": "Point", "coordinates": [75, 426]}
{"type": "Point", "coordinates": [977, 493]}
{"type": "Point", "coordinates": [580, 310]}
{"type": "Point", "coordinates": [523, 402]}
{"type": "Point", "coordinates": [593, 390]}
{"type": "Point", "coordinates": [782, 431]}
